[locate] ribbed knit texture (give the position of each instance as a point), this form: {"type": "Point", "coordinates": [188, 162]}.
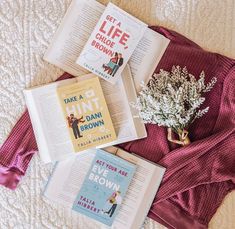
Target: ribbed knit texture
{"type": "Point", "coordinates": [198, 176]}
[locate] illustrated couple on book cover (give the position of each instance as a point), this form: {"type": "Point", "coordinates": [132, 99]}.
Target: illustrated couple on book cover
{"type": "Point", "coordinates": [73, 123]}
{"type": "Point", "coordinates": [114, 64]}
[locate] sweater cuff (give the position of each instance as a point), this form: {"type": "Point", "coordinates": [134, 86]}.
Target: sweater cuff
{"type": "Point", "coordinates": [9, 177]}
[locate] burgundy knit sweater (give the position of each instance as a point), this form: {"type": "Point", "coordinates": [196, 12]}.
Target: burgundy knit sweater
{"type": "Point", "coordinates": [198, 176]}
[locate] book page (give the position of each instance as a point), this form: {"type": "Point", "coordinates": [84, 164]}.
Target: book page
{"type": "Point", "coordinates": [73, 33]}
{"type": "Point", "coordinates": [53, 127]}
{"type": "Point", "coordinates": [48, 117]}
{"type": "Point", "coordinates": [118, 101]}
{"type": "Point", "coordinates": [149, 195]}
{"type": "Point", "coordinates": [146, 56]}
{"type": "Point", "coordinates": [37, 127]}
{"type": "Point", "coordinates": [119, 108]}
{"type": "Point", "coordinates": [68, 176]}
{"type": "Point", "coordinates": [136, 195]}
{"type": "Point", "coordinates": [132, 97]}
{"type": "Point", "coordinates": [76, 28]}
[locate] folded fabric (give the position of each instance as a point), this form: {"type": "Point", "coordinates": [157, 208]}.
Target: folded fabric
{"type": "Point", "coordinates": [198, 176]}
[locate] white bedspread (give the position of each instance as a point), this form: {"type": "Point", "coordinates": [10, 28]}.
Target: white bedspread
{"type": "Point", "coordinates": [26, 27]}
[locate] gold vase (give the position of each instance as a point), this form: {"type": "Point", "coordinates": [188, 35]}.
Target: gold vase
{"type": "Point", "coordinates": [183, 137]}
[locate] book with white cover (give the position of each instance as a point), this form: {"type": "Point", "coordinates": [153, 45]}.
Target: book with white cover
{"type": "Point", "coordinates": [50, 128]}
{"type": "Point", "coordinates": [75, 30]}
{"type": "Point", "coordinates": [68, 176]}
{"type": "Point", "coordinates": [111, 43]}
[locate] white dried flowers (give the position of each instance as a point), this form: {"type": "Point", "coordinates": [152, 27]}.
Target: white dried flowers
{"type": "Point", "coordinates": [172, 99]}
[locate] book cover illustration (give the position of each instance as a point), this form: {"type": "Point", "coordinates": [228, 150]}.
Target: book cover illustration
{"type": "Point", "coordinates": [111, 43]}
{"type": "Point", "coordinates": [104, 187]}
{"type": "Point", "coordinates": [86, 114]}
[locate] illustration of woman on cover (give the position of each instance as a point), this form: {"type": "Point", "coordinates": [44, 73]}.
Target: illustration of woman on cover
{"type": "Point", "coordinates": [73, 123]}
{"type": "Point", "coordinates": [111, 65]}
{"type": "Point", "coordinates": [115, 199]}
{"type": "Point", "coordinates": [118, 65]}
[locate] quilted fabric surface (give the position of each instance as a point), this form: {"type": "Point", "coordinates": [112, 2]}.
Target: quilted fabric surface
{"type": "Point", "coordinates": [26, 27]}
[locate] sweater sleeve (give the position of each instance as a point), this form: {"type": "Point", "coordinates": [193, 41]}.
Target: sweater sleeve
{"type": "Point", "coordinates": [18, 149]}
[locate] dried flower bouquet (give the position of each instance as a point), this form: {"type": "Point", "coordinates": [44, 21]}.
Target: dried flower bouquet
{"type": "Point", "coordinates": [172, 99]}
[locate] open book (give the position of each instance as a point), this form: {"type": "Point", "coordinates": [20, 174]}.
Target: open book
{"type": "Point", "coordinates": [50, 128]}
{"type": "Point", "coordinates": [68, 176]}
{"type": "Point", "coordinates": [75, 30]}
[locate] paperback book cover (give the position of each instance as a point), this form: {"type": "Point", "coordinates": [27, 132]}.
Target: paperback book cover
{"type": "Point", "coordinates": [86, 114]}
{"type": "Point", "coordinates": [104, 187]}
{"type": "Point", "coordinates": [111, 43]}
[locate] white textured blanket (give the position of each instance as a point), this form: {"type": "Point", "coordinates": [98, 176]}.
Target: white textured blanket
{"type": "Point", "coordinates": [26, 27]}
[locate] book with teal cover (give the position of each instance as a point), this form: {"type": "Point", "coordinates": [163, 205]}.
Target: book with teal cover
{"type": "Point", "coordinates": [104, 187]}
